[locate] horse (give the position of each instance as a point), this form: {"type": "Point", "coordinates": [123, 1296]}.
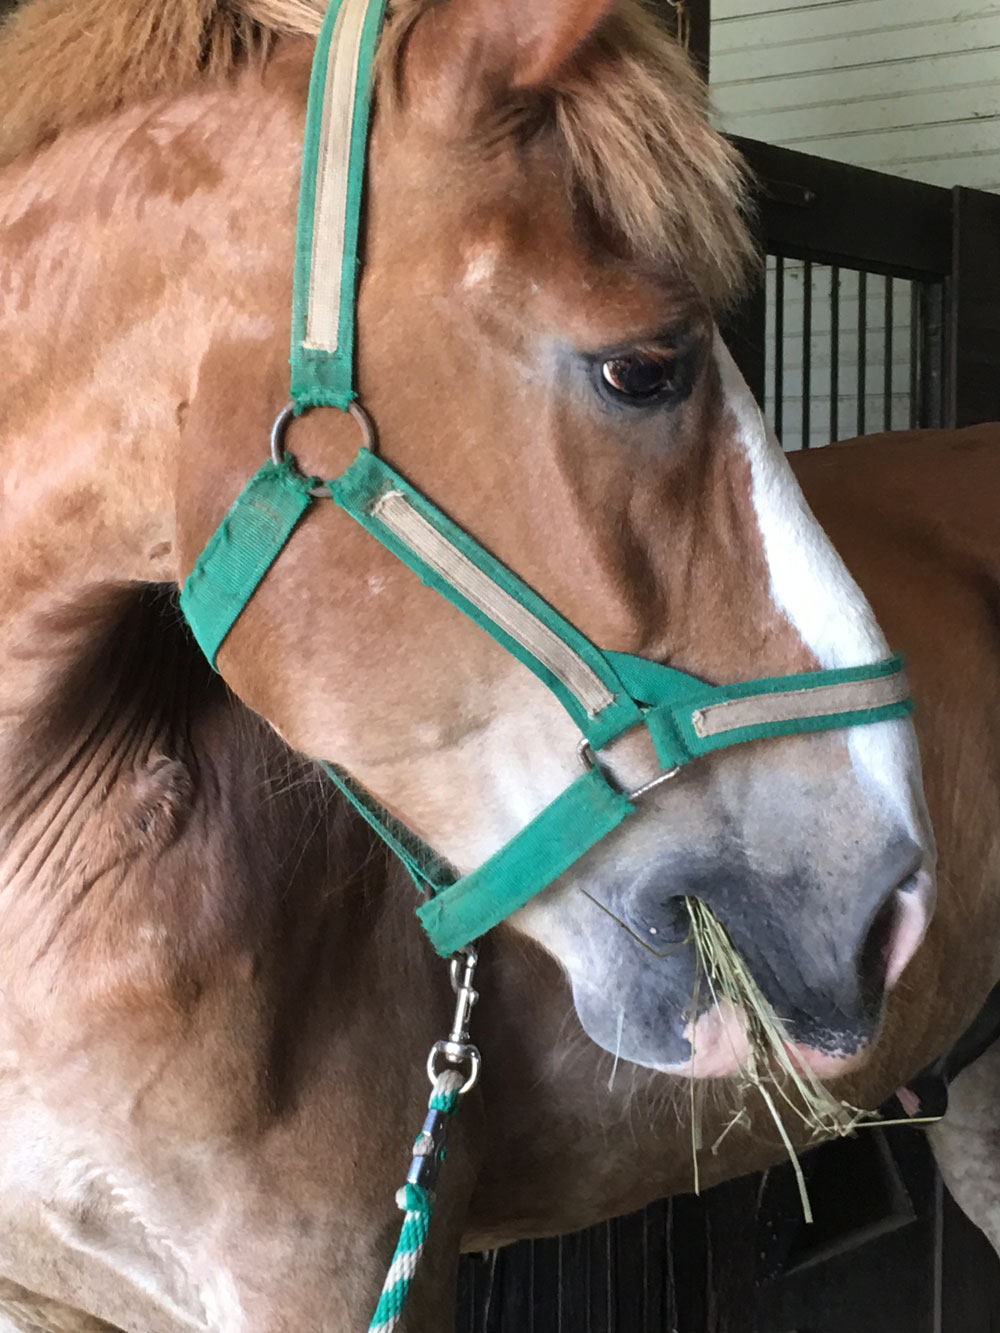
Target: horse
{"type": "Point", "coordinates": [929, 561]}
{"type": "Point", "coordinates": [216, 1000]}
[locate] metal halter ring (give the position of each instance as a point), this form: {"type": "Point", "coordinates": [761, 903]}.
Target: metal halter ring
{"type": "Point", "coordinates": [589, 759]}
{"type": "Point", "coordinates": [287, 415]}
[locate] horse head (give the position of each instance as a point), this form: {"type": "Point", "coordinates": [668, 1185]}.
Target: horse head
{"type": "Point", "coordinates": [552, 230]}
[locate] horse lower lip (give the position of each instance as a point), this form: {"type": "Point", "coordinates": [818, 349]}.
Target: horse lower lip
{"type": "Point", "coordinates": [809, 1060]}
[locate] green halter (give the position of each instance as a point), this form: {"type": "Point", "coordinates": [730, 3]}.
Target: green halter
{"type": "Point", "coordinates": [605, 693]}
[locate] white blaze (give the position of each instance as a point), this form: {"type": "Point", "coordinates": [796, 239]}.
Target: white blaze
{"type": "Point", "coordinates": [812, 587]}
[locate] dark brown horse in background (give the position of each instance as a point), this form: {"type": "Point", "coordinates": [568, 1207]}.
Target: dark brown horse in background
{"type": "Point", "coordinates": [215, 1001]}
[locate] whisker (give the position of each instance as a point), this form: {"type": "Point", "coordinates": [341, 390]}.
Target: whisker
{"type": "Point", "coordinates": [618, 1049]}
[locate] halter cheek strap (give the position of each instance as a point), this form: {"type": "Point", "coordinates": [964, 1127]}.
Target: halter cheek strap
{"type": "Point", "coordinates": [329, 231]}
{"type": "Point", "coordinates": [607, 694]}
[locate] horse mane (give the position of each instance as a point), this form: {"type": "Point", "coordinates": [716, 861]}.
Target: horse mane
{"type": "Point", "coordinates": [65, 63]}
{"type": "Point", "coordinates": [631, 113]}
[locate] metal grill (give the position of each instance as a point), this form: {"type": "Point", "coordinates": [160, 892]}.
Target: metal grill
{"type": "Point", "coordinates": [850, 352]}
{"type": "Point", "coordinates": [614, 1278]}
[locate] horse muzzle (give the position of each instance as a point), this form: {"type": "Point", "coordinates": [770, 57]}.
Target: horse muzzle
{"type": "Point", "coordinates": [824, 944]}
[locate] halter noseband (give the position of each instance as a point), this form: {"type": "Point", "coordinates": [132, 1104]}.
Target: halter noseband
{"type": "Point", "coordinates": [607, 694]}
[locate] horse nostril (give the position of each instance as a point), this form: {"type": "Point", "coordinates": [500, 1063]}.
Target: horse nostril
{"type": "Point", "coordinates": [894, 933]}
{"type": "Point", "coordinates": [876, 950]}
{"type": "Point", "coordinates": [665, 922]}
{"type": "Point", "coordinates": [914, 906]}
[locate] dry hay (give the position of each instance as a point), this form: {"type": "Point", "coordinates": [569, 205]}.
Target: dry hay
{"type": "Point", "coordinates": [789, 1093]}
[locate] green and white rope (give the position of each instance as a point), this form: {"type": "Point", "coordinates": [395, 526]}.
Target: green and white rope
{"type": "Point", "coordinates": [417, 1204]}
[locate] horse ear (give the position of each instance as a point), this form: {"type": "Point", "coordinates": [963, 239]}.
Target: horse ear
{"type": "Point", "coordinates": [536, 38]}
{"type": "Point", "coordinates": [466, 54]}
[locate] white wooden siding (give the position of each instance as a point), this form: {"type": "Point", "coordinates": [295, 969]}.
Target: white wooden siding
{"type": "Point", "coordinates": [881, 411]}
{"type": "Point", "coordinates": [908, 86]}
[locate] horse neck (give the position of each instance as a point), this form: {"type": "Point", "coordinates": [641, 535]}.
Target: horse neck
{"type": "Point", "coordinates": [135, 269]}
{"type": "Point", "coordinates": [122, 276]}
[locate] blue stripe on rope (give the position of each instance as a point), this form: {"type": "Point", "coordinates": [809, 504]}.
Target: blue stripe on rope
{"type": "Point", "coordinates": [418, 1205]}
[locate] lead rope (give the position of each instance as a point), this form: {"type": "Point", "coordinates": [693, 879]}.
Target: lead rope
{"type": "Point", "coordinates": [453, 1068]}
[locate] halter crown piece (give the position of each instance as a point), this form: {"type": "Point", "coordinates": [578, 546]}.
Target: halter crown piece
{"type": "Point", "coordinates": [606, 693]}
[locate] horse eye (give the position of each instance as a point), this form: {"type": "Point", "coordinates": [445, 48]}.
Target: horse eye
{"type": "Point", "coordinates": [639, 377]}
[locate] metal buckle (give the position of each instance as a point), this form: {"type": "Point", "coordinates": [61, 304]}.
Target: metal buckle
{"type": "Point", "coordinates": [287, 415]}
{"type": "Point", "coordinates": [457, 1050]}
{"type": "Point", "coordinates": [590, 759]}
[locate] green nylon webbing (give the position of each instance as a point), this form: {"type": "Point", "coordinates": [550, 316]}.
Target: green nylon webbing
{"type": "Point", "coordinates": [555, 839]}
{"type": "Point", "coordinates": [673, 698]}
{"type": "Point", "coordinates": [242, 550]}
{"type": "Point", "coordinates": [460, 910]}
{"type": "Point", "coordinates": [664, 699]}
{"type": "Point", "coordinates": [424, 867]}
{"type": "Point", "coordinates": [369, 477]}
{"type": "Point", "coordinates": [323, 375]}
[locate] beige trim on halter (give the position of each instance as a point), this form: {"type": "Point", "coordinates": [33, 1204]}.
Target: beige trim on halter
{"type": "Point", "coordinates": [330, 215]}
{"type": "Point", "coordinates": [791, 705]}
{"type": "Point", "coordinates": [401, 518]}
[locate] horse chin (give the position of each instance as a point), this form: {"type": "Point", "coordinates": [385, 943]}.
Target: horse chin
{"type": "Point", "coordinates": [634, 1027]}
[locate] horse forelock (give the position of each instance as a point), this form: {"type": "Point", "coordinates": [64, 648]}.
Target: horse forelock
{"type": "Point", "coordinates": [629, 112]}
{"type": "Point", "coordinates": [630, 115]}
{"type": "Point", "coordinates": [634, 121]}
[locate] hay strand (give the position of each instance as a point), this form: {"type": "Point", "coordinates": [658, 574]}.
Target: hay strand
{"type": "Point", "coordinates": [767, 1067]}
